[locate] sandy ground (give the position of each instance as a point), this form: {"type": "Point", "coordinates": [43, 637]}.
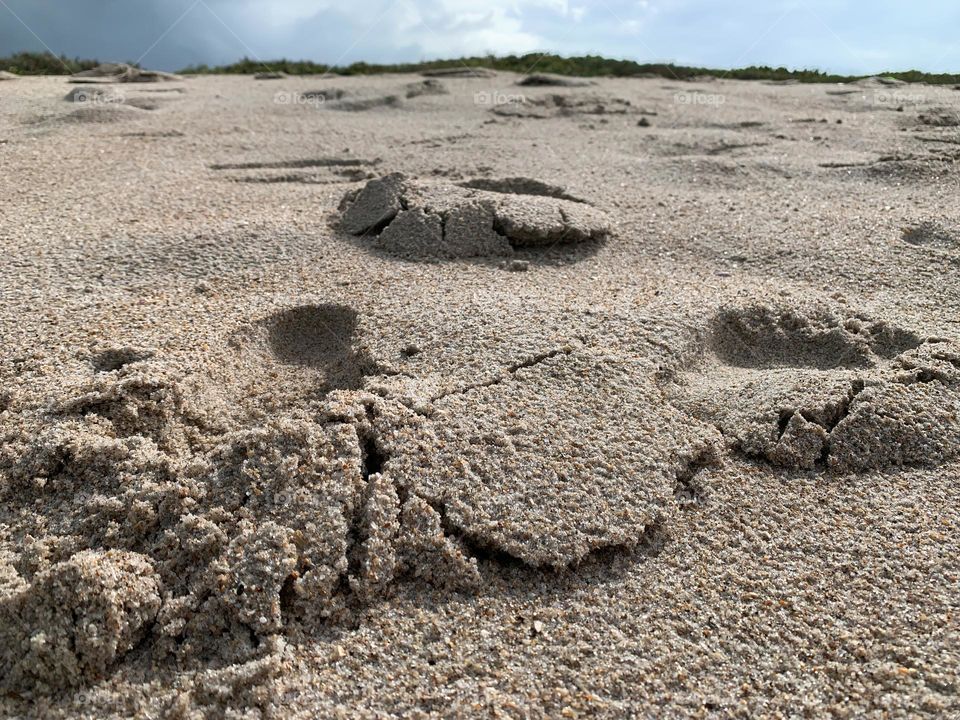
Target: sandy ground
{"type": "Point", "coordinates": [670, 427]}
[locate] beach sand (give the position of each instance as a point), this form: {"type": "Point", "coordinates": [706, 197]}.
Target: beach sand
{"type": "Point", "coordinates": [376, 397]}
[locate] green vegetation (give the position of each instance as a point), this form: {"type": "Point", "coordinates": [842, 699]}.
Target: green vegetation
{"type": "Point", "coordinates": [27, 63]}
{"type": "Point", "coordinates": [587, 66]}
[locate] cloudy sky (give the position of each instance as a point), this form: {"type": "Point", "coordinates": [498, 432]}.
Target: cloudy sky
{"type": "Point", "coordinates": [849, 36]}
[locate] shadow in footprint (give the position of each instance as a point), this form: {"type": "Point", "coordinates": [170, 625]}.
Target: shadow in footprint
{"type": "Point", "coordinates": [320, 337]}
{"type": "Point", "coordinates": [931, 234]}
{"type": "Point", "coordinates": [761, 337]}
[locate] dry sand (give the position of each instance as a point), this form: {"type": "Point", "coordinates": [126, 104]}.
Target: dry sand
{"type": "Point", "coordinates": [639, 398]}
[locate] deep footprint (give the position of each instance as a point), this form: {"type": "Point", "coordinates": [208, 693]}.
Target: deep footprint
{"type": "Point", "coordinates": [807, 386]}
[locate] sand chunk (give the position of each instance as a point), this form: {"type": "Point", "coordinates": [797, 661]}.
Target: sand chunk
{"type": "Point", "coordinates": [75, 620]}
{"type": "Point", "coordinates": [453, 221]}
{"type": "Point", "coordinates": [375, 206]}
{"type": "Point", "coordinates": [121, 72]}
{"type": "Point", "coordinates": [532, 221]}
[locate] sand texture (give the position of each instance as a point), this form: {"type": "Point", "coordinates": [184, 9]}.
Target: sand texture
{"type": "Point", "coordinates": [478, 395]}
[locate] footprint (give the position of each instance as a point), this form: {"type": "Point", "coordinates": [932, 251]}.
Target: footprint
{"type": "Point", "coordinates": [931, 234]}
{"type": "Point", "coordinates": [320, 337]}
{"type": "Point", "coordinates": [114, 358]}
{"type": "Point", "coordinates": [326, 94]}
{"type": "Point", "coordinates": [811, 386]}
{"type": "Point", "coordinates": [362, 104]}
{"type": "Point", "coordinates": [93, 95]}
{"type": "Point", "coordinates": [418, 219]}
{"type": "Point", "coordinates": [296, 164]}
{"type": "Point", "coordinates": [316, 505]}
{"type": "Point", "coordinates": [296, 355]}
{"type": "Point", "coordinates": [322, 171]}
{"type": "Point", "coordinates": [98, 114]}
{"type": "Point", "coordinates": [520, 186]}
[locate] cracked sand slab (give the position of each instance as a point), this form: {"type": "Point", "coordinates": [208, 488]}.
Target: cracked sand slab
{"type": "Point", "coordinates": [416, 218]}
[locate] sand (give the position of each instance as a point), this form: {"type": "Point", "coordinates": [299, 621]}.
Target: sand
{"type": "Point", "coordinates": [479, 399]}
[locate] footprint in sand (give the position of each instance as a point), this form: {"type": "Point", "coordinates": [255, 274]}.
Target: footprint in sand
{"type": "Point", "coordinates": [808, 386]}
{"type": "Point", "coordinates": [295, 356]}
{"type": "Point", "coordinates": [308, 171]}
{"type": "Point", "coordinates": [420, 219]}
{"type": "Point", "coordinates": [930, 234]}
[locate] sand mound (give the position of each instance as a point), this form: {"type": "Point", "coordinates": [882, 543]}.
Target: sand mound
{"type": "Point", "coordinates": [939, 117]}
{"type": "Point", "coordinates": [362, 104]}
{"type": "Point", "coordinates": [425, 87]}
{"type": "Point", "coordinates": [546, 80]}
{"type": "Point", "coordinates": [812, 386]}
{"type": "Point", "coordinates": [4, 75]}
{"type": "Point", "coordinates": [421, 219]}
{"type": "Point", "coordinates": [460, 72]}
{"type": "Point", "coordinates": [121, 72]}
{"type": "Point", "coordinates": [552, 106]}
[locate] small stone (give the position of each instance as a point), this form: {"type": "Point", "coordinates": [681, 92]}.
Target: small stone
{"type": "Point", "coordinates": [517, 265]}
{"type": "Point", "coordinates": [643, 122]}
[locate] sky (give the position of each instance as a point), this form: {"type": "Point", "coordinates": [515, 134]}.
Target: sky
{"type": "Point", "coordinates": [859, 37]}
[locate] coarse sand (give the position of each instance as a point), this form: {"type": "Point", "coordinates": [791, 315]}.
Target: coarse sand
{"type": "Point", "coordinates": [473, 397]}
